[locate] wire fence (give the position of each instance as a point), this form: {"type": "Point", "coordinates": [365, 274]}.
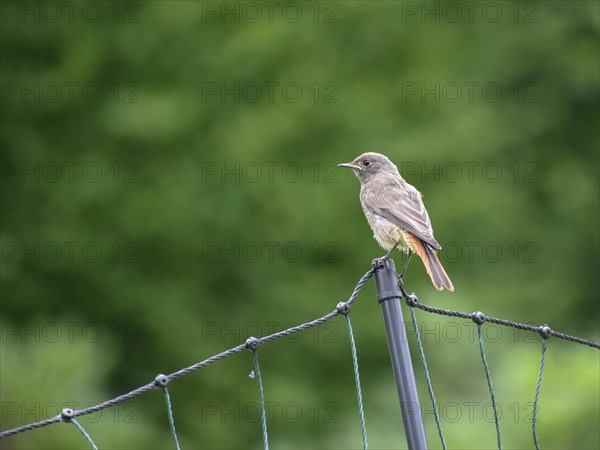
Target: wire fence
{"type": "Point", "coordinates": [343, 308]}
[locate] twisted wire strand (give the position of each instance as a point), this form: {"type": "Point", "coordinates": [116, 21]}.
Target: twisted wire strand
{"type": "Point", "coordinates": [490, 387]}
{"type": "Point", "coordinates": [429, 385]}
{"type": "Point", "coordinates": [85, 434]}
{"type": "Point", "coordinates": [30, 426]}
{"type": "Point", "coordinates": [261, 395]}
{"type": "Point", "coordinates": [506, 323]}
{"type": "Point", "coordinates": [171, 418]}
{"type": "Point", "coordinates": [361, 411]}
{"type": "Point", "coordinates": [537, 396]}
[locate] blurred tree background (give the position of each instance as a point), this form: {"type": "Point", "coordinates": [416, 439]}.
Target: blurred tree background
{"type": "Point", "coordinates": [169, 188]}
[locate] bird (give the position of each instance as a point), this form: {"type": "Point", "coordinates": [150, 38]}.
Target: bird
{"type": "Point", "coordinates": [397, 215]}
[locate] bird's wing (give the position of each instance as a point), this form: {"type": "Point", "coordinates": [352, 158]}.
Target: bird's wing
{"type": "Point", "coordinates": [401, 204]}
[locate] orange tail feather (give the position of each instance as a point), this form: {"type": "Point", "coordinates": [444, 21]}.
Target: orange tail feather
{"type": "Point", "coordinates": [432, 264]}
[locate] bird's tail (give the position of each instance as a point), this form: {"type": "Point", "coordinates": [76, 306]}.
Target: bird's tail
{"type": "Point", "coordinates": [434, 268]}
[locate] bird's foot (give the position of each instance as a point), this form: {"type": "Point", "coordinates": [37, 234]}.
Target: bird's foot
{"type": "Point", "coordinates": [387, 255]}
{"type": "Point", "coordinates": [380, 262]}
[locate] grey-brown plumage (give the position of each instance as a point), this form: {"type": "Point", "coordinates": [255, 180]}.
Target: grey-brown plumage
{"type": "Point", "coordinates": [396, 213]}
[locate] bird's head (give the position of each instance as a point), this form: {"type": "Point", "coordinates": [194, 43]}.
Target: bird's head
{"type": "Point", "coordinates": [368, 165]}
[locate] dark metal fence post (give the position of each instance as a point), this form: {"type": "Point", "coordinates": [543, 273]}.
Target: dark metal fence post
{"type": "Point", "coordinates": [389, 295]}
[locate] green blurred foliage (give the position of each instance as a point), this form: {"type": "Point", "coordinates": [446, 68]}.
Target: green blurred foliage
{"type": "Point", "coordinates": [162, 295]}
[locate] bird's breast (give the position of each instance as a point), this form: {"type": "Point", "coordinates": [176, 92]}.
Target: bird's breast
{"type": "Point", "coordinates": [388, 234]}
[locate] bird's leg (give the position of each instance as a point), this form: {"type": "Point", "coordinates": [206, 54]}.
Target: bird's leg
{"type": "Point", "coordinates": [401, 275]}
{"type": "Point", "coordinates": [410, 253]}
{"type": "Point", "coordinates": [387, 255]}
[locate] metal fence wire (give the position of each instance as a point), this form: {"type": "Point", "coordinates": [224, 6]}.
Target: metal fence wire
{"type": "Point", "coordinates": [343, 308]}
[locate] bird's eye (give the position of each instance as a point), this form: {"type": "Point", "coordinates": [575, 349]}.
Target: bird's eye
{"type": "Point", "coordinates": [366, 162]}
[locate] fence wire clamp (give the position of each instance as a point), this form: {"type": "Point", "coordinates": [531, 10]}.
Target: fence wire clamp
{"type": "Point", "coordinates": [478, 317]}
{"type": "Point", "coordinates": [67, 414]}
{"type": "Point", "coordinates": [398, 290]}
{"type": "Point", "coordinates": [252, 343]}
{"type": "Point", "coordinates": [412, 300]}
{"type": "Point", "coordinates": [379, 263]}
{"type": "Point", "coordinates": [545, 331]}
{"type": "Point", "coordinates": [161, 380]}
{"type": "Point", "coordinates": [343, 308]}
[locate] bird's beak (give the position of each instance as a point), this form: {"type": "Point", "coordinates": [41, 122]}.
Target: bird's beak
{"type": "Point", "coordinates": [350, 166]}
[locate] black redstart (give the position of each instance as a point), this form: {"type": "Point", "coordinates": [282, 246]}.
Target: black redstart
{"type": "Point", "coordinates": [396, 214]}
